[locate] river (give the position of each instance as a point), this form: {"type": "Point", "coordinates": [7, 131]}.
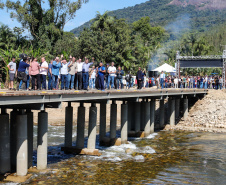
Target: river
{"type": "Point", "coordinates": [166, 157]}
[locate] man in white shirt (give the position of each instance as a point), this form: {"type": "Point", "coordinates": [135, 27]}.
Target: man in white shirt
{"type": "Point", "coordinates": [162, 79]}
{"type": "Point", "coordinates": [64, 74]}
{"type": "Point", "coordinates": [112, 72]}
{"type": "Point", "coordinates": [43, 72]}
{"type": "Point", "coordinates": [12, 72]}
{"type": "Point", "coordinates": [79, 73]}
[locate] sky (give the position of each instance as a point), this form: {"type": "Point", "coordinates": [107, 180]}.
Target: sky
{"type": "Point", "coordinates": [87, 12]}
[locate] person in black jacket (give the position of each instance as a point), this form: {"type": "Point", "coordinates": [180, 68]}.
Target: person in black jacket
{"type": "Point", "coordinates": [139, 78]}
{"type": "Point", "coordinates": [119, 74]}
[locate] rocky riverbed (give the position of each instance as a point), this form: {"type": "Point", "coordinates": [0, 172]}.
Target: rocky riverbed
{"type": "Point", "coordinates": [207, 114]}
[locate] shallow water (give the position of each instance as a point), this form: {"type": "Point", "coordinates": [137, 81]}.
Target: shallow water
{"type": "Point", "coordinates": [162, 158]}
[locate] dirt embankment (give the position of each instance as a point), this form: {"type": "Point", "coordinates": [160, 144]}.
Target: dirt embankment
{"type": "Point", "coordinates": [208, 114]}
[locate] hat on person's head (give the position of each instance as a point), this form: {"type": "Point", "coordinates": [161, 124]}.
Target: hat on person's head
{"type": "Point", "coordinates": [107, 64]}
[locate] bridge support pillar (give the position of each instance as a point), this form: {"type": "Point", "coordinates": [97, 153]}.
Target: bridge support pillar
{"type": "Point", "coordinates": [161, 114]}
{"type": "Point", "coordinates": [152, 115]}
{"type": "Point", "coordinates": [42, 140]}
{"type": "Point", "coordinates": [4, 143]}
{"type": "Point", "coordinates": [177, 108]}
{"type": "Point", "coordinates": [30, 124]}
{"type": "Point", "coordinates": [102, 131]}
{"type": "Point", "coordinates": [13, 130]}
{"type": "Point", "coordinates": [147, 117]}
{"type": "Point", "coordinates": [92, 127]}
{"type": "Point", "coordinates": [21, 144]}
{"type": "Point", "coordinates": [172, 112]}
{"type": "Point", "coordinates": [81, 126]}
{"type": "Point", "coordinates": [124, 123]}
{"type": "Point", "coordinates": [130, 113]}
{"type": "Point", "coordinates": [113, 121]}
{"type": "Point", "coordinates": [168, 113]}
{"type": "Point", "coordinates": [185, 108]}
{"type": "Point", "coordinates": [68, 125]}
{"type": "Point", "coordinates": [142, 115]}
{"type": "Point", "coordinates": [137, 106]}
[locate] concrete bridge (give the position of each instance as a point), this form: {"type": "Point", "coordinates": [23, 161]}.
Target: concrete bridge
{"type": "Point", "coordinates": [137, 118]}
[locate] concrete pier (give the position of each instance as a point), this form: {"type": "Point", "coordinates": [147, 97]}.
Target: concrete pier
{"type": "Point", "coordinates": [124, 123]}
{"type": "Point", "coordinates": [168, 113]}
{"type": "Point", "coordinates": [81, 127]}
{"type": "Point", "coordinates": [68, 125]}
{"type": "Point", "coordinates": [147, 121]}
{"type": "Point", "coordinates": [137, 116]}
{"type": "Point", "coordinates": [172, 112]}
{"type": "Point", "coordinates": [102, 123]}
{"type": "Point", "coordinates": [5, 165]}
{"type": "Point", "coordinates": [42, 140]}
{"type": "Point", "coordinates": [152, 115]}
{"type": "Point", "coordinates": [177, 108]}
{"type": "Point", "coordinates": [161, 114]}
{"type": "Point", "coordinates": [92, 127]}
{"type": "Point", "coordinates": [185, 108]}
{"type": "Point", "coordinates": [21, 144]}
{"type": "Point", "coordinates": [13, 130]}
{"type": "Point", "coordinates": [142, 115]}
{"type": "Point", "coordinates": [130, 113]}
{"type": "Point", "coordinates": [113, 120]}
{"type": "Point", "coordinates": [30, 124]}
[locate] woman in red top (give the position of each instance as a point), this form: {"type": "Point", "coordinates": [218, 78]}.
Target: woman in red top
{"type": "Point", "coordinates": [34, 72]}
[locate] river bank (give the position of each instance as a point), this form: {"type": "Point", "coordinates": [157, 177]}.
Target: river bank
{"type": "Point", "coordinates": [207, 114]}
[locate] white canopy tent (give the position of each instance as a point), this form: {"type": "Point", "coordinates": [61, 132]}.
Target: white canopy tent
{"type": "Point", "coordinates": [166, 68]}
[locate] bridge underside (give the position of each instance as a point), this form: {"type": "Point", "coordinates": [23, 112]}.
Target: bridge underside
{"type": "Point", "coordinates": [138, 119]}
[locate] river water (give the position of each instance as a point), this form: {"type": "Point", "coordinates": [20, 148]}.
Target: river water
{"type": "Point", "coordinates": [166, 157]}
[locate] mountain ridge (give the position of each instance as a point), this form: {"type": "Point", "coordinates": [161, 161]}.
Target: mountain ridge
{"type": "Point", "coordinates": [163, 12]}
{"type": "Point", "coordinates": [201, 4]}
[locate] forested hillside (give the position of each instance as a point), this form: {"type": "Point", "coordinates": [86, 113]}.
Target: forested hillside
{"type": "Point", "coordinates": [165, 11]}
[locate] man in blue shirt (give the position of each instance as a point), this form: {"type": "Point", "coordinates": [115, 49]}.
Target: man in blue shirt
{"type": "Point", "coordinates": [55, 71]}
{"type": "Point", "coordinates": [21, 75]}
{"type": "Point", "coordinates": [85, 73]}
{"type": "Point", "coordinates": [101, 73]}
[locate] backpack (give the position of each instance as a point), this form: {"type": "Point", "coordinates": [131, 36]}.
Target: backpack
{"type": "Point", "coordinates": [127, 77]}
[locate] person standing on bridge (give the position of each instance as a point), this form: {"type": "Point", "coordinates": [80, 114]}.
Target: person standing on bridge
{"type": "Point", "coordinates": [71, 73]}
{"type": "Point", "coordinates": [12, 72]}
{"type": "Point", "coordinates": [21, 75]}
{"type": "Point", "coordinates": [79, 73]}
{"type": "Point", "coordinates": [112, 72]}
{"type": "Point", "coordinates": [43, 72]}
{"type": "Point", "coordinates": [85, 73]}
{"type": "Point", "coordinates": [55, 71]}
{"type": "Point", "coordinates": [64, 75]}
{"type": "Point", "coordinates": [101, 73]}
{"type": "Point", "coordinates": [139, 78]}
{"type": "Point", "coordinates": [162, 78]}
{"type": "Point", "coordinates": [34, 72]}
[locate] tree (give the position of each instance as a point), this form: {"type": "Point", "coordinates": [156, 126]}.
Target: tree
{"type": "Point", "coordinates": [45, 24]}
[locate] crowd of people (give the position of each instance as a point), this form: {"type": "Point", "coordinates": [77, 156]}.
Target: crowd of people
{"type": "Point", "coordinates": [78, 74]}
{"type": "Point", "coordinates": [202, 82]}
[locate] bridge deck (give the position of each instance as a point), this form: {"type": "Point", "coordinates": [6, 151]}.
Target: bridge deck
{"type": "Point", "coordinates": [44, 97]}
